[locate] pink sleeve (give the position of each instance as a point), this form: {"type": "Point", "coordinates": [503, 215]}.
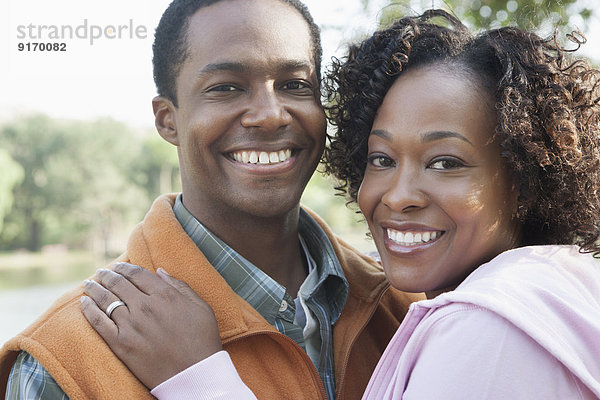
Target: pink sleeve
{"type": "Point", "coordinates": [472, 353]}
{"type": "Point", "coordinates": [213, 378]}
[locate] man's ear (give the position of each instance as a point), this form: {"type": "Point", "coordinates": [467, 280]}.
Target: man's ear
{"type": "Point", "coordinates": [164, 119]}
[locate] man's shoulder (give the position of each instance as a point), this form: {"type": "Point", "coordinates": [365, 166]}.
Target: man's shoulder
{"type": "Point", "coordinates": [53, 331]}
{"type": "Point", "coordinates": [60, 313]}
{"type": "Point", "coordinates": [65, 344]}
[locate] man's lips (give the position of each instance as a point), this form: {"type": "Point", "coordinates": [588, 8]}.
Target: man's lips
{"type": "Point", "coordinates": [261, 157]}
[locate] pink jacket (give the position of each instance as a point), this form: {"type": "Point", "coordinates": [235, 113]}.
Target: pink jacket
{"type": "Point", "coordinates": [526, 325]}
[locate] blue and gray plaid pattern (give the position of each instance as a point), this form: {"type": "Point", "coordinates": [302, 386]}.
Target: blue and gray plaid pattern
{"type": "Point", "coordinates": [28, 380]}
{"type": "Point", "coordinates": [325, 296]}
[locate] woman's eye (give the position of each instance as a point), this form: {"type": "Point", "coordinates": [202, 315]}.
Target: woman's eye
{"type": "Point", "coordinates": [381, 161]}
{"type": "Point", "coordinates": [446, 164]}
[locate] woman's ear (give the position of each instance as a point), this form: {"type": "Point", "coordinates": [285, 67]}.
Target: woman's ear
{"type": "Point", "coordinates": [164, 119]}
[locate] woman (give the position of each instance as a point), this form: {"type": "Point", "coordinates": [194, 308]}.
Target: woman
{"type": "Point", "coordinates": [476, 163]}
{"type": "Point", "coordinates": [463, 151]}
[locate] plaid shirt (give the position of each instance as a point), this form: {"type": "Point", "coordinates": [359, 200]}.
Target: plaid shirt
{"type": "Point", "coordinates": [324, 292]}
{"type": "Point", "coordinates": [308, 320]}
{"type": "Point", "coordinates": [28, 380]}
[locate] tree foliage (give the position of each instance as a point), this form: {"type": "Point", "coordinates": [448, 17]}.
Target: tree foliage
{"type": "Point", "coordinates": [542, 16]}
{"type": "Point", "coordinates": [11, 175]}
{"type": "Point", "coordinates": [82, 182]}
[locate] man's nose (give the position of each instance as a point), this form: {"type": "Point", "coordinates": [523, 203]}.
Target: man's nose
{"type": "Point", "coordinates": [266, 110]}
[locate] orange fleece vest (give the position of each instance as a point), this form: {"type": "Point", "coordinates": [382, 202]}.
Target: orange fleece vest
{"type": "Point", "coordinates": [270, 363]}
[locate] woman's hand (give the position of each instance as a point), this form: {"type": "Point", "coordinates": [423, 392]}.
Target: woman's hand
{"type": "Point", "coordinates": [163, 328]}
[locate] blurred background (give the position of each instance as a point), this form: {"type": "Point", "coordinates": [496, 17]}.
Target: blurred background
{"type": "Point", "coordinates": [80, 161]}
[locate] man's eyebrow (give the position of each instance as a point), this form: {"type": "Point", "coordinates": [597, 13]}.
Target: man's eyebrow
{"type": "Point", "coordinates": [437, 135]}
{"type": "Point", "coordinates": [224, 66]}
{"type": "Point", "coordinates": [283, 66]}
{"type": "Point", "coordinates": [294, 65]}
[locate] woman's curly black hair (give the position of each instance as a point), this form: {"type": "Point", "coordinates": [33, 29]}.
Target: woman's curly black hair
{"type": "Point", "coordinates": [547, 109]}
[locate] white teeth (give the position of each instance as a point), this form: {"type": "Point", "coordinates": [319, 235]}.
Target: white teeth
{"type": "Point", "coordinates": [411, 238]}
{"type": "Point", "coordinates": [261, 157]}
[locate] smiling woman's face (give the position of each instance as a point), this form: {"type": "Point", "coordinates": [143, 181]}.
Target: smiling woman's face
{"type": "Point", "coordinates": [436, 196]}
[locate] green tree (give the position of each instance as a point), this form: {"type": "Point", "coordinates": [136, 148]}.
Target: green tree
{"type": "Point", "coordinates": [34, 142]}
{"type": "Point", "coordinates": [11, 175]}
{"type": "Point", "coordinates": [542, 16]}
{"type": "Point", "coordinates": [157, 167]}
{"type": "Point", "coordinates": [77, 181]}
{"type": "Point", "coordinates": [104, 156]}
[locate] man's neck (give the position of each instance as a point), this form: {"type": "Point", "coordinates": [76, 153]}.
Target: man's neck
{"type": "Point", "coordinates": [270, 243]}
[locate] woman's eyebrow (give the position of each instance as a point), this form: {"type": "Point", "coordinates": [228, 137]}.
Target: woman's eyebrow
{"type": "Point", "coordinates": [437, 135]}
{"type": "Point", "coordinates": [382, 133]}
{"type": "Point", "coordinates": [425, 137]}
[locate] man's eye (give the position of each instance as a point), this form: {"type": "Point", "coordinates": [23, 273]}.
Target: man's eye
{"type": "Point", "coordinates": [380, 161]}
{"type": "Point", "coordinates": [446, 164]}
{"type": "Point", "coordinates": [297, 85]}
{"type": "Point", "coordinates": [223, 88]}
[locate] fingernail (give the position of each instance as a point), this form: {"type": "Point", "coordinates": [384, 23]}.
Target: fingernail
{"type": "Point", "coordinates": [162, 271]}
{"type": "Point", "coordinates": [83, 299]}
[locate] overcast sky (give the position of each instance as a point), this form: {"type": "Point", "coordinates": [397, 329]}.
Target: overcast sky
{"type": "Point", "coordinates": [112, 75]}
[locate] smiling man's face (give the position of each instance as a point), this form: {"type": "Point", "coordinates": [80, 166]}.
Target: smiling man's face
{"type": "Point", "coordinates": [249, 125]}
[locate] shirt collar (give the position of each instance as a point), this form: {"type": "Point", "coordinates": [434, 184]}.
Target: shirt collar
{"type": "Point", "coordinates": [257, 288]}
{"type": "Point", "coordinates": [331, 280]}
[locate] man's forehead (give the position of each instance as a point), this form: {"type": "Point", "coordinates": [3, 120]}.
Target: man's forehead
{"type": "Point", "coordinates": [229, 38]}
{"type": "Point", "coordinates": [232, 12]}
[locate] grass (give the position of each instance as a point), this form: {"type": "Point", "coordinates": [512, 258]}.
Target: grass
{"type": "Point", "coordinates": [23, 269]}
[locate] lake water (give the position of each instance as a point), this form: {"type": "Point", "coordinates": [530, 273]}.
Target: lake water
{"type": "Point", "coordinates": [19, 307]}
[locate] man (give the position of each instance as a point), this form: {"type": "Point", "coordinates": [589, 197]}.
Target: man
{"type": "Point", "coordinates": [238, 84]}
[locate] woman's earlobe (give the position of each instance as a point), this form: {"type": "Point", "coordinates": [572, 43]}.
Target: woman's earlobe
{"type": "Point", "coordinates": [164, 119]}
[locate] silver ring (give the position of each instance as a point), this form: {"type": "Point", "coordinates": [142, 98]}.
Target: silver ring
{"type": "Point", "coordinates": [111, 307]}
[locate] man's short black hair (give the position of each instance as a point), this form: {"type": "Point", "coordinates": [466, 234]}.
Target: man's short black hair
{"type": "Point", "coordinates": [170, 46]}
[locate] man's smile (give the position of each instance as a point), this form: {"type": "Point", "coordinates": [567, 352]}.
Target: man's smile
{"type": "Point", "coordinates": [261, 157]}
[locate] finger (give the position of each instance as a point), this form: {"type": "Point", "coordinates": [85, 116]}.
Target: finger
{"type": "Point", "coordinates": [184, 289]}
{"type": "Point", "coordinates": [143, 279]}
{"type": "Point", "coordinates": [180, 286]}
{"type": "Point", "coordinates": [99, 320]}
{"type": "Point", "coordinates": [119, 286]}
{"type": "Point", "coordinates": [103, 298]}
